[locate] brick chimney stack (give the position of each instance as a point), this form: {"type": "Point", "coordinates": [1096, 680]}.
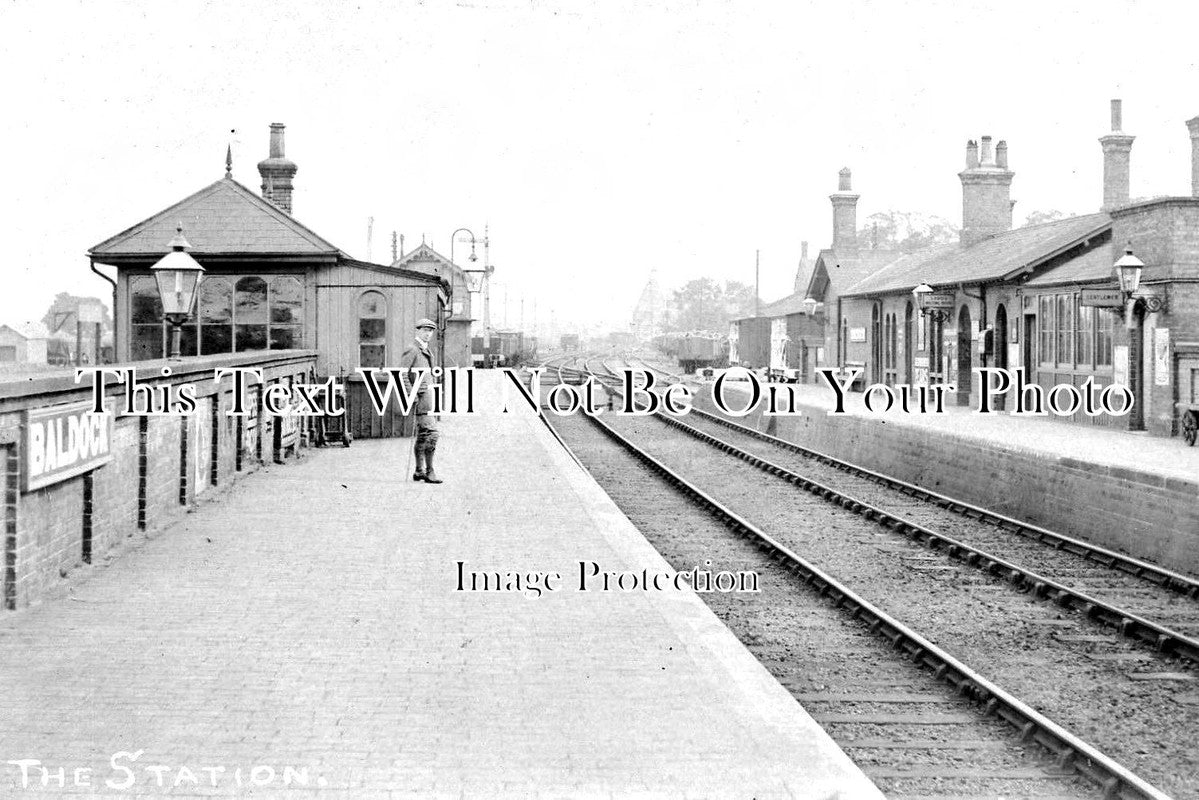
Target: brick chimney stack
{"type": "Point", "coordinates": [277, 171]}
{"type": "Point", "coordinates": [1193, 127]}
{"type": "Point", "coordinates": [986, 191]}
{"type": "Point", "coordinates": [1117, 148]}
{"type": "Point", "coordinates": [845, 214]}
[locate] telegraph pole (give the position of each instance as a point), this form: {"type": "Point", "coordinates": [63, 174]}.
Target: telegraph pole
{"type": "Point", "coordinates": [757, 283]}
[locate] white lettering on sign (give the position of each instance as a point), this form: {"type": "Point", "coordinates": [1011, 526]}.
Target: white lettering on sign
{"type": "Point", "coordinates": [64, 441]}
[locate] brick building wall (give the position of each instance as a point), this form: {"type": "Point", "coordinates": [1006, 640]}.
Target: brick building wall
{"type": "Point", "coordinates": [159, 466]}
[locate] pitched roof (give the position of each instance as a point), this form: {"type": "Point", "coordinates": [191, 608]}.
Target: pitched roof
{"type": "Point", "coordinates": [846, 268]}
{"type": "Point", "coordinates": [1093, 266]}
{"type": "Point", "coordinates": [32, 330]}
{"type": "Point", "coordinates": [803, 273]}
{"type": "Point", "coordinates": [1001, 256]}
{"type": "Point", "coordinates": [791, 304]}
{"type": "Point", "coordinates": [422, 254]}
{"type": "Point", "coordinates": [224, 218]}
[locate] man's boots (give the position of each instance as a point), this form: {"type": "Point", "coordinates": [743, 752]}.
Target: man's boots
{"type": "Point", "coordinates": [419, 475]}
{"type": "Point", "coordinates": [430, 475]}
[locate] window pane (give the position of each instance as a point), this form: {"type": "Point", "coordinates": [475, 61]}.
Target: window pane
{"type": "Point", "coordinates": [372, 304]}
{"type": "Point", "coordinates": [145, 304]}
{"type": "Point", "coordinates": [287, 301]}
{"type": "Point", "coordinates": [1045, 330]}
{"type": "Point", "coordinates": [187, 340]}
{"type": "Point", "coordinates": [370, 356]}
{"type": "Point", "coordinates": [146, 342]}
{"type": "Point", "coordinates": [216, 300]}
{"type": "Point", "coordinates": [1103, 338]}
{"type": "Point", "coordinates": [1086, 333]}
{"type": "Point", "coordinates": [250, 337]}
{"type": "Point", "coordinates": [216, 339]}
{"type": "Point", "coordinates": [251, 302]}
{"type": "Point", "coordinates": [372, 330]}
{"type": "Point", "coordinates": [285, 337]}
{"type": "Point", "coordinates": [1065, 329]}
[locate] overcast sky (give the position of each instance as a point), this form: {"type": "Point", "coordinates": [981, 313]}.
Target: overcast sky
{"type": "Point", "coordinates": [598, 139]}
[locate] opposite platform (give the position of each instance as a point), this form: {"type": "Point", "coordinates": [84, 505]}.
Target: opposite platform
{"type": "Point", "coordinates": [1131, 492]}
{"type": "Point", "coordinates": [309, 620]}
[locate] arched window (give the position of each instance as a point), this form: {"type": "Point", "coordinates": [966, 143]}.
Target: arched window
{"type": "Point", "coordinates": [893, 352]}
{"type": "Point", "coordinates": [249, 314]}
{"type": "Point", "coordinates": [372, 330]}
{"type": "Point", "coordinates": [145, 318]}
{"type": "Point", "coordinates": [216, 316]}
{"type": "Point", "coordinates": [287, 313]}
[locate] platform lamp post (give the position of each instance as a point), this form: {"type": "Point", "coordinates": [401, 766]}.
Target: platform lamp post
{"type": "Point", "coordinates": [922, 293]}
{"type": "Point", "coordinates": [178, 277]}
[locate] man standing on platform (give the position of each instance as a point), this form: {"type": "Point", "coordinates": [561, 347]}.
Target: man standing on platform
{"type": "Point", "coordinates": [416, 360]}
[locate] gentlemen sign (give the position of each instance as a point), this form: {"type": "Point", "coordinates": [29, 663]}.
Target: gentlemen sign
{"type": "Point", "coordinates": [64, 441]}
{"type": "Point", "coordinates": [1101, 298]}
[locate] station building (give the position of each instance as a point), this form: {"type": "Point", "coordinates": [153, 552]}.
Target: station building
{"type": "Point", "coordinates": [1043, 298]}
{"type": "Point", "coordinates": [272, 283]}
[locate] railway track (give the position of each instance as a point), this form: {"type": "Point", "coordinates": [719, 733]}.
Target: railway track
{"type": "Point", "coordinates": [916, 719]}
{"type": "Point", "coordinates": [1139, 599]}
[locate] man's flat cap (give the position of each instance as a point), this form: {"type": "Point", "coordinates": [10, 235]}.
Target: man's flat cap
{"type": "Point", "coordinates": [425, 322]}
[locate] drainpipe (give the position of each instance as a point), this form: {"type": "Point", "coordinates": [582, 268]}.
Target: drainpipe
{"type": "Point", "coordinates": [114, 309]}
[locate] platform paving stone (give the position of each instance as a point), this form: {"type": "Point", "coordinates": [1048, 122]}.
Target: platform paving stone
{"type": "Point", "coordinates": [306, 620]}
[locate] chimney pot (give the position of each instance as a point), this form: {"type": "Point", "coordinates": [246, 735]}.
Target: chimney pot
{"type": "Point", "coordinates": [986, 191]}
{"type": "Point", "coordinates": [1117, 153]}
{"type": "Point", "coordinates": [277, 171]}
{"type": "Point", "coordinates": [277, 140]}
{"type": "Point", "coordinates": [1193, 128]}
{"type": "Point", "coordinates": [845, 215]}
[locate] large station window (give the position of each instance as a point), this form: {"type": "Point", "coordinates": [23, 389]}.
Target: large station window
{"type": "Point", "coordinates": [1072, 336]}
{"type": "Point", "coordinates": [287, 313]}
{"type": "Point", "coordinates": [234, 313]}
{"type": "Point", "coordinates": [147, 333]}
{"type": "Point", "coordinates": [372, 330]}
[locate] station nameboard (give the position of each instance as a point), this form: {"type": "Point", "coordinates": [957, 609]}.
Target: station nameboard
{"type": "Point", "coordinates": [1101, 298]}
{"type": "Point", "coordinates": [62, 442]}
{"type": "Point", "coordinates": [939, 300]}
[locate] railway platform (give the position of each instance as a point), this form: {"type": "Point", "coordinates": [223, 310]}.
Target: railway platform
{"type": "Point", "coordinates": [1128, 491]}
{"type": "Point", "coordinates": [314, 632]}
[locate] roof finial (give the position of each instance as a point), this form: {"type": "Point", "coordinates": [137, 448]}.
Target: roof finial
{"type": "Point", "coordinates": [229, 161]}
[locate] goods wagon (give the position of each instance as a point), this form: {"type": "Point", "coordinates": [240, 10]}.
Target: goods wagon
{"type": "Point", "coordinates": [753, 342]}
{"type": "Point", "coordinates": [503, 349]}
{"type": "Point", "coordinates": [697, 350]}
{"type": "Point", "coordinates": [569, 341]}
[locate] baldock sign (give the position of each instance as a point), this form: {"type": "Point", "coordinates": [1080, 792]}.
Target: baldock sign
{"type": "Point", "coordinates": [62, 442]}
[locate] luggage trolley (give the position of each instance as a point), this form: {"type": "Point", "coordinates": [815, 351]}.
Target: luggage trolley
{"type": "Point", "coordinates": [327, 428]}
{"type": "Point", "coordinates": [1188, 407]}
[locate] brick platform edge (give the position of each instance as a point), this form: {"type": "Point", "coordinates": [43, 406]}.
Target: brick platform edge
{"type": "Point", "coordinates": [1152, 517]}
{"type": "Point", "coordinates": [160, 467]}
